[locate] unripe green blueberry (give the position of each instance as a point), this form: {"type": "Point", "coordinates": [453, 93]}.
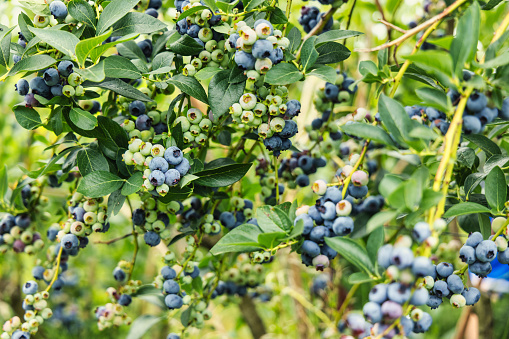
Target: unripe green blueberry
{"type": "Point", "coordinates": [458, 301]}
{"type": "Point", "coordinates": [211, 45]}
{"type": "Point", "coordinates": [68, 90]}
{"type": "Point", "coordinates": [79, 91]}
{"type": "Point", "coordinates": [135, 134]}
{"type": "Point", "coordinates": [205, 56]}
{"type": "Point", "coordinates": [128, 125]}
{"type": "Point", "coordinates": [501, 243]}
{"type": "Point", "coordinates": [277, 125]}
{"type": "Point", "coordinates": [264, 131]}
{"type": "Point", "coordinates": [247, 117]}
{"type": "Point", "coordinates": [138, 158]}
{"type": "Point", "coordinates": [148, 185]}
{"type": "Point", "coordinates": [184, 123]}
{"type": "Point", "coordinates": [217, 55]}
{"type": "Point", "coordinates": [26, 237]}
{"type": "Point", "coordinates": [128, 158]}
{"type": "Point", "coordinates": [74, 79]}
{"type": "Point", "coordinates": [194, 115]}
{"type": "Point", "coordinates": [247, 101]}
{"type": "Point", "coordinates": [197, 64]}
{"type": "Point", "coordinates": [205, 124]}
{"type": "Point", "coordinates": [158, 226]}
{"type": "Point", "coordinates": [201, 138]}
{"type": "Point", "coordinates": [189, 70]}
{"type": "Point", "coordinates": [497, 223]}
{"type": "Point", "coordinates": [16, 232]}
{"type": "Point", "coordinates": [78, 228]}
{"type": "Point", "coordinates": [263, 65]}
{"type": "Point", "coordinates": [134, 145]}
{"type": "Point", "coordinates": [236, 109]}
{"type": "Point", "coordinates": [188, 137]}
{"type": "Point", "coordinates": [195, 130]}
{"type": "Point", "coordinates": [41, 21]}
{"type": "Point", "coordinates": [147, 135]}
{"type": "Point", "coordinates": [343, 96]}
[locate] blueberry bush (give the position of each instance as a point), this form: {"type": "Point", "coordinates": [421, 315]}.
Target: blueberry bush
{"type": "Point", "coordinates": [253, 168]}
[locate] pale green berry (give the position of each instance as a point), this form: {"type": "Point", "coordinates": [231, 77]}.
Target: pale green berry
{"type": "Point", "coordinates": [157, 150]}
{"type": "Point", "coordinates": [138, 158]}
{"type": "Point", "coordinates": [134, 145]}
{"type": "Point", "coordinates": [194, 115]}
{"type": "Point", "coordinates": [277, 125]}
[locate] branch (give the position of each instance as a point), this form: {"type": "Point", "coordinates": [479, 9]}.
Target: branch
{"type": "Point", "coordinates": [252, 318]}
{"type": "Point", "coordinates": [416, 29]}
{"type": "Point", "coordinates": [388, 24]}
{"type": "Point", "coordinates": [113, 240]}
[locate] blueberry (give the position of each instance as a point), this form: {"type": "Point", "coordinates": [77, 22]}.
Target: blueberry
{"type": "Point", "coordinates": [57, 90]}
{"type": "Point", "coordinates": [22, 220]}
{"type": "Point", "coordinates": [30, 287]}
{"type": "Point", "coordinates": [419, 297]}
{"type": "Point", "coordinates": [20, 335]}
{"type": "Point", "coordinates": [487, 115]}
{"type": "Point", "coordinates": [318, 234]}
{"type": "Point", "coordinates": [486, 251]}
{"type": "Point", "coordinates": [302, 180]}
{"type": "Point", "coordinates": [293, 108]}
{"type": "Point", "coordinates": [194, 273]}
{"type": "Point", "coordinates": [422, 267]}
{"type": "Point", "coordinates": [227, 219]}
{"type": "Point", "coordinates": [445, 269]}
{"type": "Point", "coordinates": [384, 255]}
{"type": "Point", "coordinates": [22, 87]}
{"type": "Point", "coordinates": [58, 9]}
{"type": "Point", "coordinates": [471, 124]}
{"type": "Point", "coordinates": [146, 47]}
{"type": "Point", "coordinates": [455, 284]}
{"type": "Point", "coordinates": [38, 86]}
{"type": "Point", "coordinates": [391, 310]}
{"type": "Point", "coordinates": [314, 213]}
{"type": "Point", "coordinates": [289, 130]}
{"type": "Point", "coordinates": [333, 194]}
{"type": "Point", "coordinates": [172, 177]}
{"type": "Point", "coordinates": [173, 336]}
{"type": "Point", "coordinates": [52, 234]}
{"type": "Point", "coordinates": [156, 178]}
{"type": "Point", "coordinates": [474, 239]}
{"type": "Point", "coordinates": [78, 213]}
{"type": "Point", "coordinates": [152, 238]}
{"type": "Point", "coordinates": [173, 301]}
{"type": "Point", "coordinates": [16, 58]}
{"type": "Point", "coordinates": [158, 163]}
{"type": "Point", "coordinates": [65, 68]}
{"type": "Point", "coordinates": [69, 241]}
{"type": "Point", "coordinates": [171, 287]}
{"type": "Point", "coordinates": [328, 251]}
{"type": "Point", "coordinates": [398, 292]}
{"type": "Point", "coordinates": [143, 122]}
{"type": "Point", "coordinates": [193, 31]}
{"type": "Point", "coordinates": [119, 274]}
{"type": "Point", "coordinates": [440, 289]}
{"type": "Point", "coordinates": [402, 257]}
{"type": "Point", "coordinates": [328, 210]}
{"type": "Point", "coordinates": [155, 4]}
{"type": "Point", "coordinates": [407, 326]}
{"type": "Point", "coordinates": [476, 102]}
{"type": "Point", "coordinates": [504, 112]}
{"type": "Point", "coordinates": [355, 322]}
{"type": "Point", "coordinates": [434, 301]}
{"type": "Point", "coordinates": [423, 324]}
{"type": "Point", "coordinates": [137, 108]}
{"type": "Point", "coordinates": [173, 155]}
{"type": "Point", "coordinates": [503, 257]}
{"type": "Point", "coordinates": [308, 223]}
{"type": "Point", "coordinates": [343, 226]}
{"type": "Point", "coordinates": [38, 272]}
{"type": "Point", "coordinates": [481, 269]}
{"type": "Point", "coordinates": [153, 13]}
{"type": "Point", "coordinates": [138, 217]}
{"type": "Point", "coordinates": [244, 60]}
{"type": "Point", "coordinates": [168, 273]}
{"type": "Point", "coordinates": [467, 254]}
{"type": "Point", "coordinates": [183, 167]}
{"type": "Point", "coordinates": [472, 295]}
{"type": "Point", "coordinates": [421, 231]}
{"type": "Point", "coordinates": [311, 248]}
{"type": "Point", "coordinates": [51, 77]}
{"type": "Point", "coordinates": [372, 312]}
{"type": "Point", "coordinates": [378, 293]}
{"type": "Point", "coordinates": [357, 192]}
{"type": "Point", "coordinates": [331, 91]}
{"type": "Point", "coordinates": [273, 143]}
{"type": "Point", "coordinates": [262, 49]}
{"type": "Point", "coordinates": [276, 56]}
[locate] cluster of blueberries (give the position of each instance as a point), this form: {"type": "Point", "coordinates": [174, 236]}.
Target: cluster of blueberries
{"type": "Point", "coordinates": [479, 253]}
{"type": "Point", "coordinates": [298, 167]}
{"type": "Point", "coordinates": [195, 125]}
{"type": "Point", "coordinates": [171, 288]}
{"type": "Point", "coordinates": [237, 281]}
{"type": "Point", "coordinates": [162, 167]}
{"type": "Point", "coordinates": [241, 212]}
{"type": "Point", "coordinates": [36, 312]}
{"type": "Point", "coordinates": [311, 16]}
{"type": "Point", "coordinates": [16, 235]}
{"type": "Point", "coordinates": [145, 124]}
{"type": "Point", "coordinates": [153, 6]}
{"type": "Point", "coordinates": [335, 93]}
{"type": "Point", "coordinates": [153, 223]}
{"type": "Point", "coordinates": [54, 82]}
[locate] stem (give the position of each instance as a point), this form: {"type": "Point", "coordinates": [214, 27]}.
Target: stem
{"type": "Point", "coordinates": [277, 179]}
{"type": "Point", "coordinates": [113, 240]}
{"type": "Point", "coordinates": [304, 302]}
{"type": "Point", "coordinates": [186, 263]}
{"type": "Point", "coordinates": [136, 245]}
{"type": "Point", "coordinates": [57, 265]}
{"type": "Point", "coordinates": [357, 164]}
{"type": "Point", "coordinates": [290, 243]}
{"type": "Point", "coordinates": [416, 29]}
{"type": "Point", "coordinates": [501, 29]}
{"type": "Point", "coordinates": [388, 24]}
{"type": "Point", "coordinates": [345, 303]}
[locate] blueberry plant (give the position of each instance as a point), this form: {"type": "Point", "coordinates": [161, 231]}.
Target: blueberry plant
{"type": "Point", "coordinates": [219, 141]}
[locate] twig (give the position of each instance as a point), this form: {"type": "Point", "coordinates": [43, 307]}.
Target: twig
{"type": "Point", "coordinates": [57, 265]}
{"type": "Point", "coordinates": [357, 164]}
{"type": "Point", "coordinates": [388, 24]}
{"type": "Point", "coordinates": [113, 240]}
{"type": "Point", "coordinates": [346, 302]}
{"type": "Point", "coordinates": [416, 29]}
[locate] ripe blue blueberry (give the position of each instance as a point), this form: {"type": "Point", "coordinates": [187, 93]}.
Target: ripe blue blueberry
{"type": "Point", "coordinates": [119, 274]}
{"type": "Point", "coordinates": [155, 4]}
{"type": "Point", "coordinates": [331, 91]}
{"type": "Point", "coordinates": [419, 297]}
{"type": "Point", "coordinates": [308, 223]}
{"type": "Point", "coordinates": [422, 267]}
{"type": "Point", "coordinates": [173, 301]}
{"type": "Point", "coordinates": [293, 108]}
{"type": "Point", "coordinates": [328, 251]}
{"type": "Point", "coordinates": [138, 217]}
{"type": "Point", "coordinates": [183, 167]}
{"type": "Point", "coordinates": [481, 269]}
{"type": "Point", "coordinates": [273, 143]}
{"type": "Point", "coordinates": [333, 194]}
{"type": "Point", "coordinates": [146, 47]}
{"type": "Point", "coordinates": [503, 257]}
{"type": "Point", "coordinates": [314, 213]}
{"type": "Point", "coordinates": [172, 177]}
{"type": "Point", "coordinates": [467, 254]}
{"type": "Point", "coordinates": [38, 272]}
{"type": "Point", "coordinates": [318, 234]}
{"type": "Point", "coordinates": [193, 31]}
{"type": "Point", "coordinates": [173, 336]}
{"type": "Point", "coordinates": [421, 231]}
{"type": "Point", "coordinates": [328, 210]}
{"type": "Point", "coordinates": [384, 255]}
{"type": "Point", "coordinates": [38, 86]}
{"type": "Point", "coordinates": [455, 284]}
{"type": "Point", "coordinates": [276, 56]}
{"type": "Point", "coordinates": [343, 226]}
{"type": "Point", "coordinates": [20, 335]}
{"type": "Point", "coordinates": [486, 251]}
{"type": "Point", "coordinates": [157, 178]}
{"type": "Point", "coordinates": [51, 77]}
{"type": "Point", "coordinates": [125, 300]}
{"type": "Point", "coordinates": [474, 239]}
{"type": "Point", "coordinates": [434, 301]}
{"type": "Point", "coordinates": [171, 287]}
{"type": "Point", "coordinates": [391, 310]}
{"type": "Point", "coordinates": [357, 192]}
{"type": "Point", "coordinates": [58, 9]}
{"type": "Point", "coordinates": [57, 90]}
{"type": "Point", "coordinates": [440, 288]}
{"type": "Point", "coordinates": [504, 111]}
{"type": "Point", "coordinates": [227, 219]}
{"type": "Point", "coordinates": [244, 60]}
{"type": "Point", "coordinates": [398, 292]}
{"type": "Point", "coordinates": [65, 68]}
{"type": "Point", "coordinates": [30, 287]}
{"type": "Point", "coordinates": [168, 273]}
{"type": "Point", "coordinates": [262, 49]}
{"type": "Point", "coordinates": [476, 102]}
{"type": "Point", "coordinates": [152, 238]}
{"type": "Point", "coordinates": [472, 295]}
{"type": "Point", "coordinates": [195, 273]}
{"type": "Point", "coordinates": [22, 87]}
{"type": "Point", "coordinates": [137, 108]}
{"type": "Point", "coordinates": [471, 124]}
{"type": "Point", "coordinates": [445, 269]}
{"type": "Point", "coordinates": [311, 248]}
{"type": "Point", "coordinates": [372, 312]}
{"type": "Point", "coordinates": [143, 122]}
{"type": "Point", "coordinates": [378, 293]}
{"type": "Point", "coordinates": [78, 213]}
{"type": "Point", "coordinates": [69, 241]}
{"type": "Point", "coordinates": [423, 324]}
{"type": "Point", "coordinates": [402, 257]}
{"type": "Point", "coordinates": [158, 163]}
{"type": "Point", "coordinates": [152, 12]}
{"type": "Point", "coordinates": [173, 155]}
{"type": "Point", "coordinates": [302, 180]}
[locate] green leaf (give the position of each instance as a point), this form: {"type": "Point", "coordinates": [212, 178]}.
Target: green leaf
{"type": "Point", "coordinates": [270, 240]}
{"type": "Point", "coordinates": [190, 86]}
{"type": "Point", "coordinates": [465, 208]}
{"type": "Point", "coordinates": [115, 202]}
{"type": "Point", "coordinates": [272, 219]}
{"type": "Point", "coordinates": [464, 45]}
{"type": "Point", "coordinates": [437, 62]}
{"type": "Point", "coordinates": [253, 4]}
{"type": "Point", "coordinates": [435, 98]}
{"type": "Point", "coordinates": [388, 184]}
{"type": "Point", "coordinates": [375, 241]}
{"type": "Point", "coordinates": [359, 278]}
{"type": "Point", "coordinates": [331, 53]}
{"type": "Point", "coordinates": [243, 238]}
{"type": "Point", "coordinates": [113, 12]}
{"type": "Point", "coordinates": [31, 63]}
{"type": "Point", "coordinates": [222, 176]}
{"type": "Point", "coordinates": [295, 38]}
{"type": "Point", "coordinates": [488, 146]}
{"type": "Point", "coordinates": [133, 184]}
{"type": "Point", "coordinates": [308, 54]}
{"type": "Point", "coordinates": [367, 131]}
{"type": "Point", "coordinates": [494, 161]}
{"type": "Point", "coordinates": [472, 181]}
{"type": "Point", "coordinates": [283, 74]}
{"type": "Point", "coordinates": [162, 61]}
{"type": "Point", "coordinates": [4, 182]}
{"type": "Point", "coordinates": [187, 179]}
{"type": "Point", "coordinates": [113, 137]}
{"type": "Point", "coordinates": [496, 189]}
{"type": "Point", "coordinates": [116, 66]}
{"type": "Point", "coordinates": [190, 11]}
{"type": "Point", "coordinates": [185, 45]}
{"type": "Point", "coordinates": [413, 193]}
{"type": "Point", "coordinates": [353, 252]}
{"type": "Point", "coordinates": [278, 17]}
{"type": "Point", "coordinates": [82, 11]}
{"type": "Point", "coordinates": [120, 87]}
{"type": "Point", "coordinates": [99, 184]}
{"type": "Point", "coordinates": [430, 198]}
{"type": "Point", "coordinates": [484, 225]}
{"type": "Point", "coordinates": [394, 118]}
{"type": "Point", "coordinates": [90, 160]}
{"type": "Point", "coordinates": [99, 50]}
{"type": "Point", "coordinates": [490, 5]}
{"type": "Point", "coordinates": [92, 74]}
{"type": "Point", "coordinates": [23, 23]}
{"type": "Point", "coordinates": [206, 73]}
{"type": "Point", "coordinates": [501, 60]}
{"type": "Point", "coordinates": [63, 41]}
{"type": "Point", "coordinates": [143, 323]}
{"type": "Point", "coordinates": [84, 47]}
{"type": "Point", "coordinates": [334, 35]}
{"type": "Point", "coordinates": [131, 50]}
{"type": "Point", "coordinates": [5, 49]}
{"type": "Point", "coordinates": [466, 156]}
{"type": "Point", "coordinates": [27, 117]}
{"type": "Point", "coordinates": [136, 22]}
{"type": "Point", "coordinates": [326, 73]}
{"type": "Point", "coordinates": [223, 94]}
{"type": "Point", "coordinates": [380, 219]}
{"type": "Point", "coordinates": [82, 119]}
